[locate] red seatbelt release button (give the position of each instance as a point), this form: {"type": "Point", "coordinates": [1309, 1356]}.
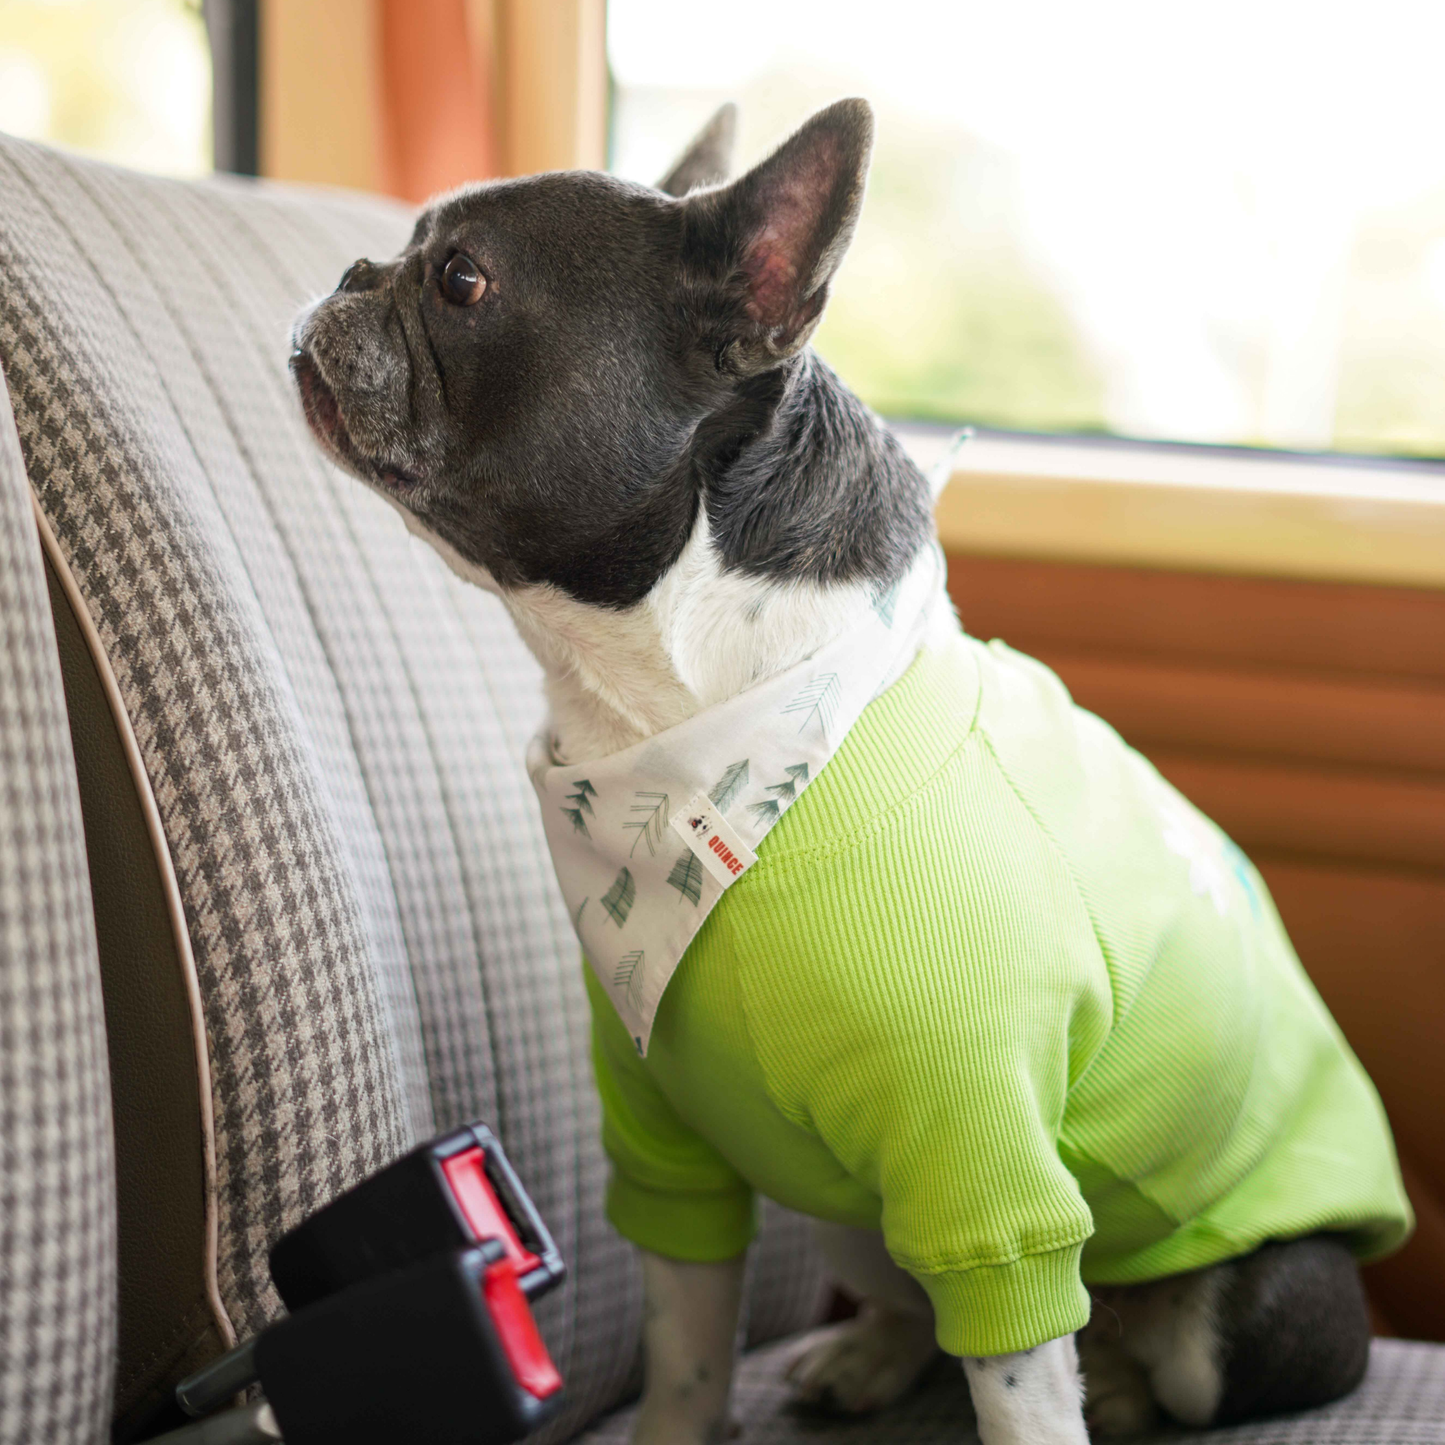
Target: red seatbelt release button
{"type": "Point", "coordinates": [517, 1330]}
{"type": "Point", "coordinates": [466, 1176]}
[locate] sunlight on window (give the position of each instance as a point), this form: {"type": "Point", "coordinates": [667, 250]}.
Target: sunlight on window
{"type": "Point", "coordinates": [1219, 223]}
{"type": "Point", "coordinates": [127, 80]}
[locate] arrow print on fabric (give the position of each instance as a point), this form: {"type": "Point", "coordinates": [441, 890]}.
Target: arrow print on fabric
{"type": "Point", "coordinates": [732, 782]}
{"type": "Point", "coordinates": [686, 877]}
{"type": "Point", "coordinates": [649, 826]}
{"type": "Point", "coordinates": [817, 701]}
{"type": "Point", "coordinates": [628, 975]}
{"type": "Point", "coordinates": [618, 899]}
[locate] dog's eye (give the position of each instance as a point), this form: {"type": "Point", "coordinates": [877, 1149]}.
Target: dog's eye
{"type": "Point", "coordinates": [462, 282]}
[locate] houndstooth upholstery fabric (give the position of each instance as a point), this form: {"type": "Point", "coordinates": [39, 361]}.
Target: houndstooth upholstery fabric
{"type": "Point", "coordinates": [57, 1182]}
{"type": "Point", "coordinates": [1401, 1402]}
{"type": "Point", "coordinates": [333, 726]}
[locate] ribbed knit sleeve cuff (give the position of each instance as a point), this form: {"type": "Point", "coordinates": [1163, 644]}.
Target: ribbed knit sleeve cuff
{"type": "Point", "coordinates": [997, 1309]}
{"type": "Point", "coordinates": [700, 1227]}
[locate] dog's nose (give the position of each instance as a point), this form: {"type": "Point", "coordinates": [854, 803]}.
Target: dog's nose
{"type": "Point", "coordinates": [361, 276]}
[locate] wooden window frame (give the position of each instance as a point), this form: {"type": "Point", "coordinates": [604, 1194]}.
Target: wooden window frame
{"type": "Point", "coordinates": [321, 86]}
{"type": "Point", "coordinates": [1327, 518]}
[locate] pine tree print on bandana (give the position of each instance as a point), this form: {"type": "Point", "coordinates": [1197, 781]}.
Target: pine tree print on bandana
{"type": "Point", "coordinates": [649, 826]}
{"type": "Point", "coordinates": [732, 782]}
{"type": "Point", "coordinates": [619, 898]}
{"type": "Point", "coordinates": [786, 792]}
{"type": "Point", "coordinates": [768, 810]}
{"type": "Point", "coordinates": [686, 877]}
{"type": "Point", "coordinates": [817, 702]}
{"type": "Point", "coordinates": [580, 804]}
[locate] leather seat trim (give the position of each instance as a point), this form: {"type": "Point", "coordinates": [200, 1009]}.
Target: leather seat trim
{"type": "Point", "coordinates": [174, 906]}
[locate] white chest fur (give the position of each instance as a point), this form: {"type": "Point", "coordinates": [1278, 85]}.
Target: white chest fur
{"type": "Point", "coordinates": [616, 676]}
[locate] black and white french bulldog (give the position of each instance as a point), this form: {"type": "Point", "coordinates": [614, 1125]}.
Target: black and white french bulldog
{"type": "Point", "coordinates": [596, 400]}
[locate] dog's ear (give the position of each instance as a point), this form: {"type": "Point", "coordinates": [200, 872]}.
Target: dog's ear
{"type": "Point", "coordinates": [758, 255]}
{"type": "Point", "coordinates": [708, 157]}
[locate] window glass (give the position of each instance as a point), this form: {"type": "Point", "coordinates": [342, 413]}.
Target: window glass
{"type": "Point", "coordinates": [1217, 223]}
{"type": "Point", "coordinates": [128, 80]}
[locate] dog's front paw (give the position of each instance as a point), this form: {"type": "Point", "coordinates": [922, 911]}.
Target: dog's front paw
{"type": "Point", "coordinates": [863, 1363]}
{"type": "Point", "coordinates": [1116, 1409]}
{"type": "Point", "coordinates": [1118, 1402]}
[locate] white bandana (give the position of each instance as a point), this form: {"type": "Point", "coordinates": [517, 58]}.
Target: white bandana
{"type": "Point", "coordinates": [646, 841]}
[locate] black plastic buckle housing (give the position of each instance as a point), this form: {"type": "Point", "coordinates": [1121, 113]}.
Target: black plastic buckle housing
{"type": "Point", "coordinates": [446, 1195]}
{"type": "Point", "coordinates": [442, 1352]}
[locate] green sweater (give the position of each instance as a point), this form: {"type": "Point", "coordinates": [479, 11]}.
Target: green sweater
{"type": "Point", "coordinates": [995, 988]}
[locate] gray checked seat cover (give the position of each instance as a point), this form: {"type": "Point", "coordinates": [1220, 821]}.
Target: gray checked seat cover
{"type": "Point", "coordinates": [333, 728]}
{"type": "Point", "coordinates": [1401, 1402]}
{"type": "Point", "coordinates": [57, 1196]}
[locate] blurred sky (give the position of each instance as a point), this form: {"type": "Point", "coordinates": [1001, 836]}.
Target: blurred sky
{"type": "Point", "coordinates": [1183, 170]}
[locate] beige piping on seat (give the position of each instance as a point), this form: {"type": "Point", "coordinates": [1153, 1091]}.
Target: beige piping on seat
{"type": "Point", "coordinates": [174, 906]}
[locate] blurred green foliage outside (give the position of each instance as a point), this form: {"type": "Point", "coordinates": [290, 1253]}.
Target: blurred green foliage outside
{"type": "Point", "coordinates": [939, 315]}
{"type": "Point", "coordinates": [942, 312]}
{"type": "Point", "coordinates": [127, 80]}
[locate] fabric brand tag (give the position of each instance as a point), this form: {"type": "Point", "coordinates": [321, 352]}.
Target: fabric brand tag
{"type": "Point", "coordinates": [712, 838]}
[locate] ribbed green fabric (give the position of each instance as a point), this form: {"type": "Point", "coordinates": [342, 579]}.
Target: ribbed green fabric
{"type": "Point", "coordinates": [995, 988]}
{"type": "Point", "coordinates": [1013, 1306]}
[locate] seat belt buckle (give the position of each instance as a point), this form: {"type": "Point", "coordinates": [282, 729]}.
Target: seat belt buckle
{"type": "Point", "coordinates": [446, 1195]}
{"type": "Point", "coordinates": [443, 1352]}
{"type": "Point", "coordinates": [410, 1311]}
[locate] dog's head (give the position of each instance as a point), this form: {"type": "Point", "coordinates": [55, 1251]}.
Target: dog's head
{"type": "Point", "coordinates": [531, 380]}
